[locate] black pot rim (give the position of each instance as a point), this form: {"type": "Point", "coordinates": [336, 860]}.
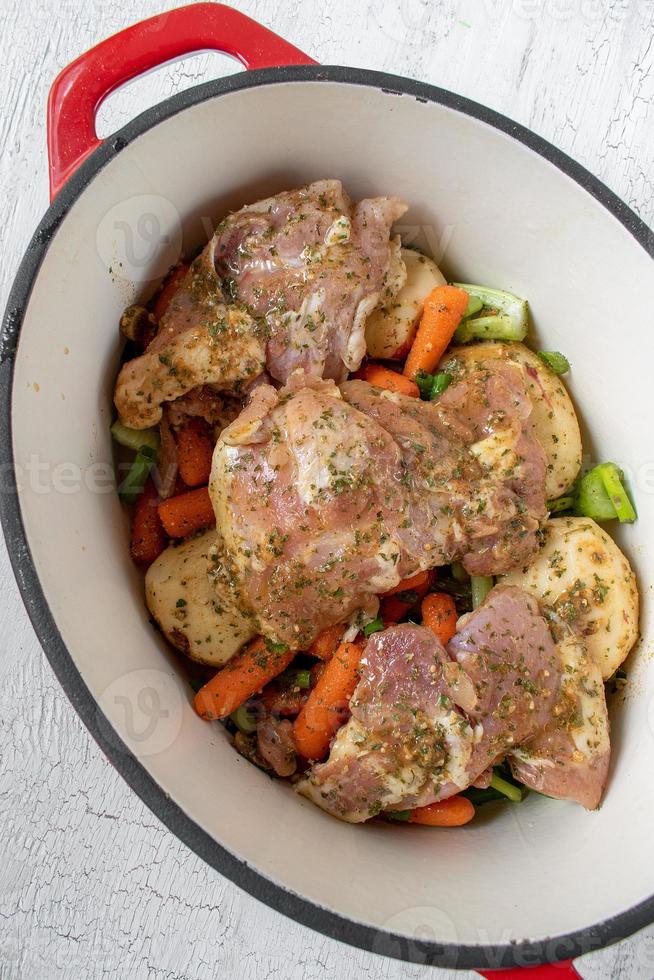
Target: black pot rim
{"type": "Point", "coordinates": [491, 956]}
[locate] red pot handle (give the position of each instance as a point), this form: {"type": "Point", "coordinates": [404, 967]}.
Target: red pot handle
{"type": "Point", "coordinates": [80, 88]}
{"type": "Point", "coordinates": [547, 971]}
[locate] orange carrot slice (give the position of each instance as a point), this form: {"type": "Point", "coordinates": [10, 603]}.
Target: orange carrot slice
{"type": "Point", "coordinates": [439, 615]}
{"type": "Point", "coordinates": [322, 714]}
{"type": "Point", "coordinates": [186, 513]}
{"type": "Point", "coordinates": [442, 313]}
{"type": "Point", "coordinates": [453, 812]}
{"type": "Point", "coordinates": [245, 674]}
{"type": "Point", "coordinates": [376, 374]}
{"type": "Point", "coordinates": [195, 446]}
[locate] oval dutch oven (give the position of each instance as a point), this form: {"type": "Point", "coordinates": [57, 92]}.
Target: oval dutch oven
{"type": "Point", "coordinates": [493, 203]}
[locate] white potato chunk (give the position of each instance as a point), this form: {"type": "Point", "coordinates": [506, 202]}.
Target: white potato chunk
{"type": "Point", "coordinates": [554, 419]}
{"type": "Point", "coordinates": [390, 329]}
{"type": "Point", "coordinates": [583, 575]}
{"type": "Point", "coordinates": [194, 612]}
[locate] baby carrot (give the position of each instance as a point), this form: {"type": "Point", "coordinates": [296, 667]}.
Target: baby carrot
{"type": "Point", "coordinates": [415, 583]}
{"type": "Point", "coordinates": [376, 374]}
{"type": "Point", "coordinates": [245, 674]}
{"type": "Point", "coordinates": [397, 602]}
{"type": "Point", "coordinates": [186, 513]}
{"type": "Point", "coordinates": [442, 313]}
{"type": "Point", "coordinates": [147, 538]}
{"type": "Point", "coordinates": [326, 643]}
{"type": "Point", "coordinates": [439, 615]}
{"type": "Point", "coordinates": [170, 286]}
{"type": "Point", "coordinates": [194, 452]}
{"type": "Point", "coordinates": [320, 717]}
{"type": "Point", "coordinates": [392, 610]}
{"type": "Point", "coordinates": [453, 812]}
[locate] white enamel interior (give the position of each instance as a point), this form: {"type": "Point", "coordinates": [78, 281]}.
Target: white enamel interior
{"type": "Point", "coordinates": [491, 211]}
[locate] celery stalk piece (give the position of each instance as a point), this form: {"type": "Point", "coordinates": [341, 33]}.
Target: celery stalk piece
{"type": "Point", "coordinates": [244, 719]}
{"type": "Point", "coordinates": [432, 385]}
{"type": "Point", "coordinates": [560, 504]}
{"type": "Point", "coordinates": [481, 586]}
{"type": "Point", "coordinates": [459, 573]}
{"type": "Point", "coordinates": [134, 482]}
{"type": "Point", "coordinates": [135, 438]}
{"type": "Point", "coordinates": [612, 478]}
{"type": "Point", "coordinates": [303, 679]}
{"type": "Point", "coordinates": [602, 496]}
{"type": "Point", "coordinates": [474, 306]}
{"type": "Point", "coordinates": [502, 316]}
{"type": "Point", "coordinates": [374, 626]}
{"type": "Point", "coordinates": [514, 793]}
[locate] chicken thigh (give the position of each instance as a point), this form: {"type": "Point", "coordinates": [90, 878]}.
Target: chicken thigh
{"type": "Point", "coordinates": [326, 497]}
{"type": "Point", "coordinates": [286, 283]}
{"type": "Point", "coordinates": [427, 722]}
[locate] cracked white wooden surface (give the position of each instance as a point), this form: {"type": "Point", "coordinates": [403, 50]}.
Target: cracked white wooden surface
{"type": "Point", "coordinates": [90, 883]}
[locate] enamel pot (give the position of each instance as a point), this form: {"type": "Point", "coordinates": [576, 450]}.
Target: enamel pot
{"type": "Point", "coordinates": [493, 203]}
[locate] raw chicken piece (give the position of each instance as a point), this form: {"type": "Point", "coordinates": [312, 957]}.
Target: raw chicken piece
{"type": "Point", "coordinates": [508, 652]}
{"type": "Point", "coordinates": [305, 267]}
{"type": "Point", "coordinates": [205, 403]}
{"type": "Point", "coordinates": [474, 472]}
{"type": "Point", "coordinates": [467, 712]}
{"type": "Point", "coordinates": [424, 726]}
{"type": "Point", "coordinates": [313, 266]}
{"type": "Point", "coordinates": [298, 485]}
{"type": "Point", "coordinates": [328, 497]}
{"type": "Point", "coordinates": [569, 759]}
{"type": "Point", "coordinates": [276, 746]}
{"type": "Point", "coordinates": [201, 341]}
{"type": "Point", "coordinates": [406, 737]}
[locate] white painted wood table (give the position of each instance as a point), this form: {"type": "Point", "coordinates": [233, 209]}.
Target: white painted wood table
{"type": "Point", "coordinates": [91, 884]}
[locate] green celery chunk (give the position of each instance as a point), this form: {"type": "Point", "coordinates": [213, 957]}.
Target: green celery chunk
{"type": "Point", "coordinates": [135, 480]}
{"type": "Point", "coordinates": [612, 479]}
{"type": "Point", "coordinates": [481, 586]}
{"type": "Point", "coordinates": [244, 719]}
{"type": "Point", "coordinates": [502, 316]}
{"type": "Point", "coordinates": [602, 496]}
{"type": "Point", "coordinates": [560, 504]}
{"type": "Point", "coordinates": [512, 792]}
{"type": "Point", "coordinates": [302, 679]}
{"type": "Point", "coordinates": [373, 627]}
{"type": "Point", "coordinates": [556, 362]}
{"type": "Point", "coordinates": [474, 306]}
{"type": "Point", "coordinates": [135, 438]}
{"type": "Point", "coordinates": [432, 385]}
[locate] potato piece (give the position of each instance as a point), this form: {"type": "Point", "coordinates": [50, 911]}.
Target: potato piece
{"type": "Point", "coordinates": [195, 613]}
{"type": "Point", "coordinates": [390, 329]}
{"type": "Point", "coordinates": [583, 575]}
{"type": "Point", "coordinates": [554, 419]}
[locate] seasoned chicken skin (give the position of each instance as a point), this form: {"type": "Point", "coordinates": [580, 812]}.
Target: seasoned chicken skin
{"type": "Point", "coordinates": [313, 265]}
{"type": "Point", "coordinates": [286, 283]}
{"type": "Point", "coordinates": [326, 497]}
{"type": "Point", "coordinates": [427, 722]}
{"type": "Point", "coordinates": [569, 759]}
